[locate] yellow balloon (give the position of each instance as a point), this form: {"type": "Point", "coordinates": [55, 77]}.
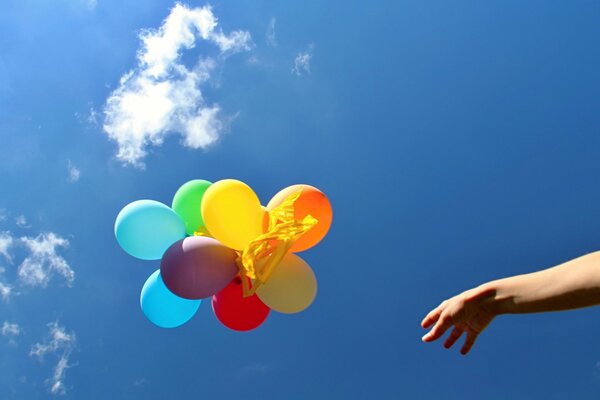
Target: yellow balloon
{"type": "Point", "coordinates": [232, 213]}
{"type": "Point", "coordinates": [291, 288]}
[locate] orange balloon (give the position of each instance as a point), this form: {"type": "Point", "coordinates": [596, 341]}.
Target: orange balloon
{"type": "Point", "coordinates": [311, 201]}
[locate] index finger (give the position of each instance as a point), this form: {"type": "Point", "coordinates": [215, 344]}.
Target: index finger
{"type": "Point", "coordinates": [433, 316]}
{"type": "Point", "coordinates": [442, 325]}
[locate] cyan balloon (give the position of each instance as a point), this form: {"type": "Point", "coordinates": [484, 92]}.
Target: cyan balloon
{"type": "Point", "coordinates": [162, 307]}
{"type": "Point", "coordinates": [146, 228]}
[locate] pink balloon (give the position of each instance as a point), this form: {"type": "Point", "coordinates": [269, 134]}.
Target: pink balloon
{"type": "Point", "coordinates": [197, 267]}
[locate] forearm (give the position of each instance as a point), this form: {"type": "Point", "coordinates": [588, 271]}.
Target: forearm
{"type": "Point", "coordinates": [574, 284]}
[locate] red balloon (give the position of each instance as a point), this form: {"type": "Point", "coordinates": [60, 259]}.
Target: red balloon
{"type": "Point", "coordinates": [237, 312]}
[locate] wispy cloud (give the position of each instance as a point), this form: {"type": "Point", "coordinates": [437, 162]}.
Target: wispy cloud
{"type": "Point", "coordinates": [302, 61]}
{"type": "Point", "coordinates": [39, 260]}
{"type": "Point", "coordinates": [6, 242]}
{"type": "Point", "coordinates": [58, 376]}
{"type": "Point", "coordinates": [271, 40]}
{"type": "Point", "coordinates": [21, 221]}
{"type": "Point", "coordinates": [59, 339]}
{"type": "Point", "coordinates": [74, 172]}
{"type": "Point", "coordinates": [61, 343]}
{"type": "Point", "coordinates": [10, 329]}
{"type": "Point", "coordinates": [90, 118]}
{"type": "Point", "coordinates": [161, 96]}
{"type": "Point", "coordinates": [43, 260]}
{"type": "Point", "coordinates": [5, 291]}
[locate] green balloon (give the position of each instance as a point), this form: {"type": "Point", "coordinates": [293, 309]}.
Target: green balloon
{"type": "Point", "coordinates": [187, 201]}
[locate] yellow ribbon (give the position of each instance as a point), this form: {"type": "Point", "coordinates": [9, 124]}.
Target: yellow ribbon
{"type": "Point", "coordinates": [260, 257]}
{"type": "Point", "coordinates": [202, 231]}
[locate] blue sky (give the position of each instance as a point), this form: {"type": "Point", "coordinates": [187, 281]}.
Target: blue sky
{"type": "Point", "coordinates": [458, 143]}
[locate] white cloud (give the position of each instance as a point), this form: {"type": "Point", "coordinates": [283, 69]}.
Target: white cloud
{"type": "Point", "coordinates": [21, 221]}
{"type": "Point", "coordinates": [5, 291]}
{"type": "Point", "coordinates": [161, 96]}
{"type": "Point", "coordinates": [74, 172]}
{"type": "Point", "coordinates": [6, 242]}
{"type": "Point", "coordinates": [58, 376]}
{"type": "Point", "coordinates": [92, 117]}
{"type": "Point", "coordinates": [43, 261]}
{"type": "Point", "coordinates": [302, 61]}
{"type": "Point", "coordinates": [10, 329]}
{"type": "Point", "coordinates": [59, 341]}
{"type": "Point", "coordinates": [3, 214]}
{"type": "Point", "coordinates": [271, 41]}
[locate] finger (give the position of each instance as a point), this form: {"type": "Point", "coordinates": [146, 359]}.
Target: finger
{"type": "Point", "coordinates": [441, 326]}
{"type": "Point", "coordinates": [431, 318]}
{"type": "Point", "coordinates": [454, 335]}
{"type": "Point", "coordinates": [433, 315]}
{"type": "Point", "coordinates": [469, 342]}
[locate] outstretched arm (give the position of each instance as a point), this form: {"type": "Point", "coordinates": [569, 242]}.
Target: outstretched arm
{"type": "Point", "coordinates": [574, 284]}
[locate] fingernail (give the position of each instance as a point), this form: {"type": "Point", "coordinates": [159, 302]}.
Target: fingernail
{"type": "Point", "coordinates": [424, 338]}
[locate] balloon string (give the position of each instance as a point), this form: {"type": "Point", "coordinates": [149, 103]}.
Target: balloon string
{"type": "Point", "coordinates": [260, 257]}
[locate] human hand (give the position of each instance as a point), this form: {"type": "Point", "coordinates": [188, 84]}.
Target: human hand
{"type": "Point", "coordinates": [469, 312]}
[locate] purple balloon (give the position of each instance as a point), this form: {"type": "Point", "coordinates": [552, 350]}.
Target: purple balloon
{"type": "Point", "coordinates": [198, 267]}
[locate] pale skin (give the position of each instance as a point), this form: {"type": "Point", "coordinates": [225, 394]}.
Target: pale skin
{"type": "Point", "coordinates": [574, 284]}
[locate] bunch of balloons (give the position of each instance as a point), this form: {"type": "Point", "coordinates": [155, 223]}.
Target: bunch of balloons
{"type": "Point", "coordinates": [216, 240]}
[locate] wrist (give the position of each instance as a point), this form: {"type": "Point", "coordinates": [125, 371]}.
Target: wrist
{"type": "Point", "coordinates": [497, 300]}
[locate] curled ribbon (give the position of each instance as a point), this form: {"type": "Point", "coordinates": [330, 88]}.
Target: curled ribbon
{"type": "Point", "coordinates": [260, 257]}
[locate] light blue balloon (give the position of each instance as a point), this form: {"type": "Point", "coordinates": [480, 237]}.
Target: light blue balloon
{"type": "Point", "coordinates": [146, 228]}
{"type": "Point", "coordinates": [162, 307]}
